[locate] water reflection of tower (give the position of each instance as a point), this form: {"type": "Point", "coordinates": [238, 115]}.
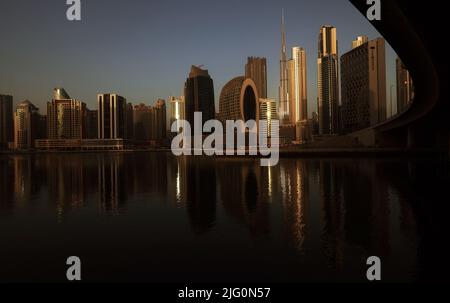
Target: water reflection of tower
{"type": "Point", "coordinates": [177, 181]}
{"type": "Point", "coordinates": [65, 181]}
{"type": "Point", "coordinates": [111, 189]}
{"type": "Point", "coordinates": [148, 174]}
{"type": "Point", "coordinates": [331, 213]}
{"type": "Point", "coordinates": [200, 185]}
{"type": "Point", "coordinates": [367, 207]}
{"type": "Point", "coordinates": [295, 191]}
{"type": "Point", "coordinates": [241, 195]}
{"type": "Point", "coordinates": [6, 184]}
{"type": "Point", "coordinates": [22, 178]}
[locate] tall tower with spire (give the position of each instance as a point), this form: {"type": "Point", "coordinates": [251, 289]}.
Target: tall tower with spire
{"type": "Point", "coordinates": [283, 88]}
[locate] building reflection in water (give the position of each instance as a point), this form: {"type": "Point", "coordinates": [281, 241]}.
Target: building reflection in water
{"type": "Point", "coordinates": [198, 177]}
{"type": "Point", "coordinates": [294, 191]}
{"type": "Point", "coordinates": [240, 184]}
{"type": "Point", "coordinates": [111, 183]}
{"type": "Point", "coordinates": [334, 208]}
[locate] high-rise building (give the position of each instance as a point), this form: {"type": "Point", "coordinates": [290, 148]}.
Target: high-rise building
{"type": "Point", "coordinates": [360, 40]}
{"type": "Point", "coordinates": [26, 119]}
{"type": "Point", "coordinates": [150, 122]}
{"type": "Point", "coordinates": [283, 94]}
{"type": "Point", "coordinates": [298, 103]}
{"type": "Point", "coordinates": [199, 95]}
{"type": "Point", "coordinates": [363, 82]}
{"type": "Point", "coordinates": [64, 116]}
{"type": "Point", "coordinates": [405, 86]}
{"type": "Point", "coordinates": [90, 128]}
{"type": "Point", "coordinates": [256, 69]}
{"type": "Point", "coordinates": [142, 119]}
{"type": "Point", "coordinates": [112, 116]}
{"type": "Point", "coordinates": [328, 88]}
{"type": "Point", "coordinates": [268, 112]}
{"type": "Point", "coordinates": [6, 120]}
{"type": "Point", "coordinates": [177, 111]}
{"type": "Point", "coordinates": [160, 125]}
{"type": "Point", "coordinates": [130, 122]}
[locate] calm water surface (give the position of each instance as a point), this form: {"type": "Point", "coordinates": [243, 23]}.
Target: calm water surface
{"type": "Point", "coordinates": [154, 217]}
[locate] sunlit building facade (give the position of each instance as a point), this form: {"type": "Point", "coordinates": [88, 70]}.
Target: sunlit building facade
{"type": "Point", "coordinates": [363, 80]}
{"type": "Point", "coordinates": [26, 124]}
{"type": "Point", "coordinates": [327, 81]}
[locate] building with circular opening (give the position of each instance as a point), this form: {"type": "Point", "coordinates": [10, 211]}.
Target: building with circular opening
{"type": "Point", "coordinates": [239, 100]}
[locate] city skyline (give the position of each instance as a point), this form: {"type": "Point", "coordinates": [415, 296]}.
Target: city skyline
{"type": "Point", "coordinates": [165, 80]}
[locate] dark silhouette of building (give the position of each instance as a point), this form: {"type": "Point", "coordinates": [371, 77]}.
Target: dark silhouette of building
{"type": "Point", "coordinates": [130, 122]}
{"type": "Point", "coordinates": [6, 120]}
{"type": "Point", "coordinates": [90, 129]}
{"type": "Point", "coordinates": [199, 95]}
{"type": "Point", "coordinates": [112, 116]}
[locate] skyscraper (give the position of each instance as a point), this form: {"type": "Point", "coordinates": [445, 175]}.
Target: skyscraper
{"type": "Point", "coordinates": [256, 69]}
{"type": "Point", "coordinates": [160, 126]}
{"type": "Point", "coordinates": [298, 107]}
{"type": "Point", "coordinates": [328, 89]}
{"type": "Point", "coordinates": [64, 116]}
{"type": "Point", "coordinates": [150, 122]}
{"type": "Point", "coordinates": [90, 120]}
{"type": "Point", "coordinates": [130, 122]}
{"type": "Point", "coordinates": [26, 124]}
{"type": "Point", "coordinates": [363, 80]}
{"type": "Point", "coordinates": [177, 111]}
{"type": "Point", "coordinates": [142, 118]}
{"type": "Point", "coordinates": [405, 86]}
{"type": "Point", "coordinates": [268, 112]}
{"type": "Point", "coordinates": [283, 94]}
{"type": "Point", "coordinates": [112, 116]}
{"type": "Point", "coordinates": [199, 95]}
{"type": "Point", "coordinates": [6, 123]}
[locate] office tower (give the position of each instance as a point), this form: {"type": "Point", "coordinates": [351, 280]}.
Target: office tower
{"type": "Point", "coordinates": [64, 116]}
{"type": "Point", "coordinates": [177, 110]}
{"type": "Point", "coordinates": [405, 86]}
{"type": "Point", "coordinates": [112, 116]}
{"type": "Point", "coordinates": [90, 129]}
{"type": "Point", "coordinates": [41, 132]}
{"type": "Point", "coordinates": [256, 69]}
{"type": "Point", "coordinates": [150, 122]}
{"type": "Point", "coordinates": [6, 123]}
{"type": "Point", "coordinates": [130, 122]}
{"type": "Point", "coordinates": [26, 119]}
{"type": "Point", "coordinates": [328, 89]}
{"type": "Point", "coordinates": [142, 119]}
{"type": "Point", "coordinates": [360, 40]}
{"type": "Point", "coordinates": [363, 80]}
{"type": "Point", "coordinates": [298, 107]}
{"type": "Point", "coordinates": [199, 95]}
{"type": "Point", "coordinates": [160, 126]}
{"type": "Point", "coordinates": [268, 112]}
{"type": "Point", "coordinates": [283, 94]}
{"type": "Point", "coordinates": [239, 100]}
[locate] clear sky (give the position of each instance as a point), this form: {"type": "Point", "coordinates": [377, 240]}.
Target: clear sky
{"type": "Point", "coordinates": [143, 49]}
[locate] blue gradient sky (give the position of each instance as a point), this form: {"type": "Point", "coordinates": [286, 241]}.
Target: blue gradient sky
{"type": "Point", "coordinates": [143, 50]}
